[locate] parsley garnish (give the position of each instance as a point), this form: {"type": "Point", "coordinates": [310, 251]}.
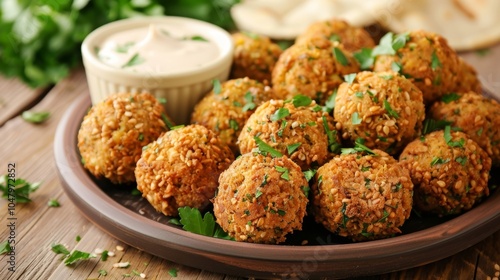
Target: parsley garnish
{"type": "Point", "coordinates": [285, 172]}
{"type": "Point", "coordinates": [53, 203]}
{"type": "Point", "coordinates": [359, 94]}
{"type": "Point", "coordinates": [447, 137]}
{"type": "Point", "coordinates": [191, 221]}
{"type": "Point", "coordinates": [124, 48]}
{"type": "Point", "coordinates": [389, 44]}
{"type": "Point", "coordinates": [102, 272]}
{"type": "Point", "coordinates": [281, 113]}
{"type": "Point", "coordinates": [450, 97]}
{"type": "Point", "coordinates": [386, 77]}
{"type": "Point", "coordinates": [355, 119]}
{"type": "Point", "coordinates": [71, 258]}
{"type": "Point", "coordinates": [301, 100]}
{"type": "Point", "coordinates": [435, 63]}
{"type": "Point", "coordinates": [431, 125]}
{"type": "Point", "coordinates": [390, 111]}
{"type": "Point", "coordinates": [197, 38]}
{"type": "Point", "coordinates": [309, 174]}
{"type": "Point", "coordinates": [104, 255]}
{"type": "Point", "coordinates": [249, 102]}
{"type": "Point", "coordinates": [22, 189]}
{"type": "Point", "coordinates": [396, 66]}
{"type": "Point", "coordinates": [217, 87]}
{"type": "Point", "coordinates": [233, 125]}
{"type": "Point", "coordinates": [358, 147]}
{"type": "Point", "coordinates": [461, 160]}
{"type": "Point", "coordinates": [5, 248]}
{"type": "Point", "coordinates": [172, 272]}
{"type": "Point", "coordinates": [35, 117]}
{"type": "Point", "coordinates": [292, 147]}
{"type": "Point", "coordinates": [134, 60]}
{"type": "Point", "coordinates": [332, 141]}
{"type": "Point", "coordinates": [334, 38]}
{"type": "Point", "coordinates": [365, 58]}
{"type": "Point", "coordinates": [166, 120]}
{"type": "Point", "coordinates": [438, 160]}
{"type": "Point", "coordinates": [350, 78]}
{"type": "Point", "coordinates": [340, 57]}
{"type": "Point", "coordinates": [330, 102]}
{"type": "Point", "coordinates": [265, 149]}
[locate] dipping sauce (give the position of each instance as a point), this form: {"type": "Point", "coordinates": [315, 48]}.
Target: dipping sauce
{"type": "Point", "coordinates": [157, 49]}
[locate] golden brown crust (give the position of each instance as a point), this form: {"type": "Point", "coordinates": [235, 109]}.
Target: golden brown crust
{"type": "Point", "coordinates": [254, 56]}
{"type": "Point", "coordinates": [303, 126]}
{"type": "Point", "coordinates": [226, 112]}
{"type": "Point", "coordinates": [476, 116]}
{"type": "Point", "coordinates": [428, 61]}
{"type": "Point", "coordinates": [257, 203]}
{"type": "Point", "coordinates": [449, 177]}
{"type": "Point", "coordinates": [113, 132]}
{"type": "Point", "coordinates": [181, 168]}
{"type": "Point", "coordinates": [312, 71]}
{"type": "Point", "coordinates": [384, 108]}
{"type": "Point", "coordinates": [362, 197]}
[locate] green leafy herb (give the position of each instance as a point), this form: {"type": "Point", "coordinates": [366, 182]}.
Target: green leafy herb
{"type": "Point", "coordinates": [102, 272]}
{"type": "Point", "coordinates": [334, 38]}
{"type": "Point", "coordinates": [258, 193]}
{"type": "Point", "coordinates": [359, 94]}
{"type": "Point", "coordinates": [309, 174]}
{"type": "Point", "coordinates": [390, 111]}
{"type": "Point", "coordinates": [355, 119]}
{"type": "Point", "coordinates": [292, 147]}
{"type": "Point", "coordinates": [330, 102]}
{"type": "Point", "coordinates": [249, 102]}
{"type": "Point", "coordinates": [305, 190]}
{"type": "Point", "coordinates": [265, 149]}
{"type": "Point", "coordinates": [197, 38]}
{"type": "Point", "coordinates": [384, 217]}
{"type": "Point", "coordinates": [438, 160]}
{"type": "Point", "coordinates": [364, 58]}
{"type": "Point", "coordinates": [333, 145]}
{"type": "Point", "coordinates": [461, 160]}
{"type": "Point", "coordinates": [386, 77]}
{"type": "Point", "coordinates": [136, 59]}
{"type": "Point", "coordinates": [22, 189]}
{"type": "Point", "coordinates": [5, 248]}
{"type": "Point", "coordinates": [281, 113]}
{"type": "Point", "coordinates": [233, 124]}
{"type": "Point", "coordinates": [400, 41]}
{"type": "Point", "coordinates": [141, 137]}
{"type": "Point", "coordinates": [104, 255]}
{"type": "Point", "coordinates": [172, 272]}
{"type": "Point", "coordinates": [59, 249]}
{"type": "Point", "coordinates": [483, 52]}
{"type": "Point", "coordinates": [345, 219]}
{"type": "Point", "coordinates": [285, 172]}
{"type": "Point", "coordinates": [435, 63]}
{"type": "Point", "coordinates": [396, 66]}
{"type": "Point", "coordinates": [301, 100]}
{"type": "Point", "coordinates": [350, 78]}
{"type": "Point", "coordinates": [71, 258]}
{"type": "Point", "coordinates": [135, 192]}
{"type": "Point", "coordinates": [53, 203]}
{"type": "Point", "coordinates": [390, 44]}
{"type": "Point", "coordinates": [358, 147]}
{"type": "Point", "coordinates": [217, 87]}
{"type": "Point", "coordinates": [167, 121]}
{"type": "Point", "coordinates": [35, 117]}
{"type": "Point", "coordinates": [124, 48]}
{"type": "Point", "coordinates": [340, 57]}
{"type": "Point", "coordinates": [78, 238]}
{"type": "Point", "coordinates": [431, 125]}
{"type": "Point", "coordinates": [447, 137]}
{"type": "Point", "coordinates": [264, 181]}
{"type": "Point", "coordinates": [450, 97]}
{"type": "Point", "coordinates": [191, 221]}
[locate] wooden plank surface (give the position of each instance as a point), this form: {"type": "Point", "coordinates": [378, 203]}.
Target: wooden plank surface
{"type": "Point", "coordinates": [38, 226]}
{"type": "Point", "coordinates": [16, 97]}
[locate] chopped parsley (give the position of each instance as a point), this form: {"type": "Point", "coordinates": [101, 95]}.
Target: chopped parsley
{"type": "Point", "coordinates": [435, 63]}
{"type": "Point", "coordinates": [359, 94]}
{"type": "Point", "coordinates": [330, 102]}
{"type": "Point", "coordinates": [359, 146]}
{"type": "Point", "coordinates": [309, 174]}
{"type": "Point", "coordinates": [461, 160]}
{"type": "Point", "coordinates": [292, 147]}
{"type": "Point", "coordinates": [364, 58]}
{"type": "Point", "coordinates": [450, 97]}
{"type": "Point", "coordinates": [167, 121]}
{"type": "Point", "coordinates": [73, 257]}
{"type": "Point", "coordinates": [249, 102]}
{"type": "Point", "coordinates": [5, 248]}
{"type": "Point", "coordinates": [53, 203]}
{"type": "Point", "coordinates": [390, 111]}
{"type": "Point", "coordinates": [22, 189]}
{"type": "Point", "coordinates": [396, 66]}
{"type": "Point", "coordinates": [340, 57]}
{"type": "Point", "coordinates": [331, 136]}
{"type": "Point", "coordinates": [301, 100]}
{"type": "Point", "coordinates": [281, 113]}
{"type": "Point", "coordinates": [285, 173]}
{"type": "Point", "coordinates": [438, 160]}
{"type": "Point", "coordinates": [447, 137]}
{"type": "Point", "coordinates": [265, 149]}
{"type": "Point", "coordinates": [258, 193]}
{"type": "Point", "coordinates": [264, 181]}
{"type": "Point", "coordinates": [35, 117]}
{"type": "Point", "coordinates": [192, 221]}
{"type": "Point", "coordinates": [386, 77]}
{"type": "Point", "coordinates": [104, 255]}
{"type": "Point", "coordinates": [355, 119]}
{"type": "Point", "coordinates": [197, 38]}
{"type": "Point", "coordinates": [102, 272]}
{"type": "Point", "coordinates": [390, 44]}
{"type": "Point", "coordinates": [233, 124]}
{"type": "Point", "coordinates": [217, 87]}
{"type": "Point", "coordinates": [334, 38]}
{"type": "Point", "coordinates": [431, 125]}
{"type": "Point", "coordinates": [134, 60]}
{"type": "Point", "coordinates": [172, 272]}
{"type": "Point", "coordinates": [350, 78]}
{"type": "Point", "coordinates": [345, 219]}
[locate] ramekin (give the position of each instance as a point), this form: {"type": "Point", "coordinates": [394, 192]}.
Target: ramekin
{"type": "Point", "coordinates": [181, 90]}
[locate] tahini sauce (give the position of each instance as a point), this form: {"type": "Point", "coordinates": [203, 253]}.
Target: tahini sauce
{"type": "Point", "coordinates": [157, 49]}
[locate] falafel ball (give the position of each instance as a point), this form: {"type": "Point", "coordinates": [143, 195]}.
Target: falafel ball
{"type": "Point", "coordinates": [114, 131]}
{"type": "Point", "coordinates": [362, 196]}
{"type": "Point", "coordinates": [467, 79]}
{"type": "Point", "coordinates": [427, 60]}
{"type": "Point", "coordinates": [312, 71]}
{"type": "Point", "coordinates": [476, 115]}
{"type": "Point", "coordinates": [254, 56]}
{"type": "Point", "coordinates": [181, 168]}
{"type": "Point", "coordinates": [226, 111]}
{"type": "Point", "coordinates": [300, 131]}
{"type": "Point", "coordinates": [385, 109]}
{"type": "Point", "coordinates": [449, 170]}
{"type": "Point", "coordinates": [351, 37]}
{"type": "Point", "coordinates": [261, 199]}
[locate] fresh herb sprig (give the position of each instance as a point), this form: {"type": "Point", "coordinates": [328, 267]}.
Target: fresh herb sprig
{"type": "Point", "coordinates": [22, 189]}
{"type": "Point", "coordinates": [192, 221]}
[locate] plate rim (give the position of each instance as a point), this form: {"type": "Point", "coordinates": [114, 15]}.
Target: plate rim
{"type": "Point", "coordinates": [260, 260]}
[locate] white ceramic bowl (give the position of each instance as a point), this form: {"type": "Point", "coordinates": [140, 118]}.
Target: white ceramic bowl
{"type": "Point", "coordinates": [182, 90]}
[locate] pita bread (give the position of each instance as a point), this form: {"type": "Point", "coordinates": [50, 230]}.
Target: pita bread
{"type": "Point", "coordinates": [466, 24]}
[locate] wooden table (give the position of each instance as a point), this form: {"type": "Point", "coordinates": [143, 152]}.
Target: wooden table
{"type": "Point", "coordinates": [38, 226]}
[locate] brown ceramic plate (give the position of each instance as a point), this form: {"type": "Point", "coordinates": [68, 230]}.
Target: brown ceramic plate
{"type": "Point", "coordinates": [132, 220]}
